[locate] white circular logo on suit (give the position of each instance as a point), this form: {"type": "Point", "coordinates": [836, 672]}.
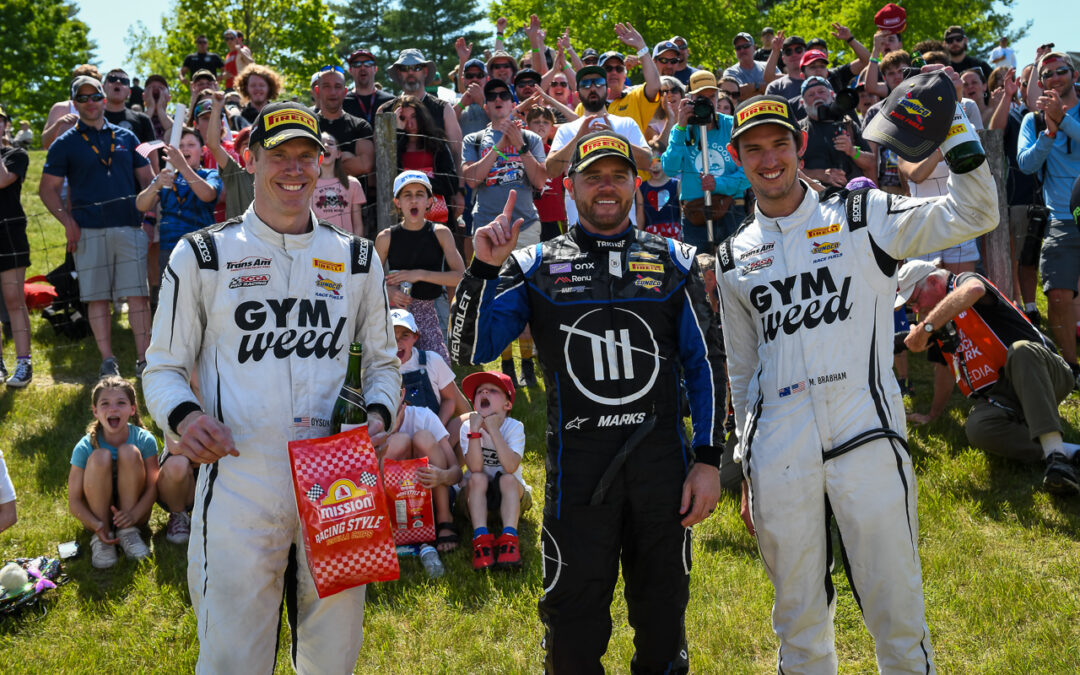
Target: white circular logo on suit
{"type": "Point", "coordinates": [597, 352]}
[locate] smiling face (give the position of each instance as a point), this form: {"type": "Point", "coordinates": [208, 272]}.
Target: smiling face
{"type": "Point", "coordinates": [604, 194]}
{"type": "Point", "coordinates": [769, 156]}
{"type": "Point", "coordinates": [559, 89]}
{"type": "Point", "coordinates": [818, 67]}
{"type": "Point", "coordinates": [667, 61]}
{"type": "Point", "coordinates": [112, 408]}
{"type": "Point", "coordinates": [973, 86]}
{"type": "Point", "coordinates": [489, 399]}
{"type": "Point", "coordinates": [1061, 82]}
{"type": "Point", "coordinates": [258, 89]}
{"type": "Point", "coordinates": [502, 69]}
{"type": "Point", "coordinates": [331, 92]}
{"type": "Point", "coordinates": [90, 111]}
{"type": "Point", "coordinates": [815, 96]}
{"type": "Point", "coordinates": [285, 177]}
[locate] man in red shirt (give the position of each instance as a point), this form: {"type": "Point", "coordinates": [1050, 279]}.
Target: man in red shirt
{"type": "Point", "coordinates": [238, 58]}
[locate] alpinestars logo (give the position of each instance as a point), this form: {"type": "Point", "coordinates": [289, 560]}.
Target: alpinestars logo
{"type": "Point", "coordinates": [598, 355]}
{"type": "Point", "coordinates": [817, 302]}
{"type": "Point", "coordinates": [285, 337]}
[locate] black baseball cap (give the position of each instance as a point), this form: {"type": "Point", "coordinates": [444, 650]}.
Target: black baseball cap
{"type": "Point", "coordinates": [283, 121]}
{"type": "Point", "coordinates": [526, 74]}
{"type": "Point", "coordinates": [156, 78]}
{"type": "Point", "coordinates": [589, 52]}
{"type": "Point", "coordinates": [598, 144]}
{"type": "Point", "coordinates": [916, 117]}
{"type": "Point", "coordinates": [765, 109]}
{"type": "Point", "coordinates": [587, 71]}
{"type": "Point", "coordinates": [794, 40]}
{"type": "Point", "coordinates": [495, 84]}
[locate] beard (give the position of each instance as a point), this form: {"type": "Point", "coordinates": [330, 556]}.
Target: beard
{"type": "Point", "coordinates": [593, 106]}
{"type": "Point", "coordinates": [606, 222]}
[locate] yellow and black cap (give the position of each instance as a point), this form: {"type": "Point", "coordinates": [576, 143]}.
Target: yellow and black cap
{"type": "Point", "coordinates": [280, 122]}
{"type": "Point", "coordinates": [597, 145]}
{"type": "Point", "coordinates": [764, 110]}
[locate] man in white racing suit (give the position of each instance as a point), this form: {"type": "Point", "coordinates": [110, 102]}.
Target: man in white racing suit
{"type": "Point", "coordinates": [807, 290]}
{"type": "Point", "coordinates": [262, 309]}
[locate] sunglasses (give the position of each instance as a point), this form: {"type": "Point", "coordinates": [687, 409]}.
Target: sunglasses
{"type": "Point", "coordinates": [1047, 74]}
{"type": "Point", "coordinates": [362, 64]}
{"type": "Point", "coordinates": [413, 69]}
{"type": "Point", "coordinates": [499, 66]}
{"type": "Point", "coordinates": [560, 85]}
{"type": "Point", "coordinates": [955, 38]}
{"type": "Point", "coordinates": [615, 69]}
{"type": "Point", "coordinates": [495, 95]}
{"type": "Point", "coordinates": [83, 98]}
{"type": "Point", "coordinates": [666, 60]}
{"type": "Point", "coordinates": [200, 42]}
{"type": "Point", "coordinates": [788, 51]}
{"type": "Point", "coordinates": [474, 76]}
{"type": "Point", "coordinates": [592, 83]}
{"type": "Point", "coordinates": [116, 78]}
{"type": "Point", "coordinates": [743, 46]}
{"type": "Point", "coordinates": [337, 69]}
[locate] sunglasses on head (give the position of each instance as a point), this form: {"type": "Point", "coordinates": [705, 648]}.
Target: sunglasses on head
{"type": "Point", "coordinates": [665, 60]}
{"type": "Point", "coordinates": [83, 98]}
{"type": "Point", "coordinates": [366, 63]}
{"type": "Point", "coordinates": [473, 75]}
{"type": "Point", "coordinates": [503, 94]}
{"type": "Point", "coordinates": [327, 69]}
{"type": "Point", "coordinates": [592, 82]}
{"type": "Point", "coordinates": [954, 38]}
{"type": "Point", "coordinates": [615, 69]}
{"type": "Point", "coordinates": [788, 51]}
{"type": "Point", "coordinates": [1047, 74]}
{"type": "Point", "coordinates": [118, 78]}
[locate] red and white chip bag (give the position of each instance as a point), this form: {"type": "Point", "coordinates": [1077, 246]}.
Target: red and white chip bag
{"type": "Point", "coordinates": [339, 496]}
{"type": "Point", "coordinates": [410, 502]}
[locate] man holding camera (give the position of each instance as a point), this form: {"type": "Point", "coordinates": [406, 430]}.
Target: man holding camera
{"type": "Point", "coordinates": [719, 176]}
{"type": "Point", "coordinates": [835, 149]}
{"type": "Point", "coordinates": [1000, 360]}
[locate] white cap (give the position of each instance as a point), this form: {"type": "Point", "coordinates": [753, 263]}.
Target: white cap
{"type": "Point", "coordinates": [408, 177]}
{"type": "Point", "coordinates": [910, 275]}
{"type": "Point", "coordinates": [400, 317]}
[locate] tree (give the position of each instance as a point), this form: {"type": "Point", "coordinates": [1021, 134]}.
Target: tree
{"type": "Point", "coordinates": [43, 42]}
{"type": "Point", "coordinates": [294, 37]}
{"type": "Point", "coordinates": [387, 27]}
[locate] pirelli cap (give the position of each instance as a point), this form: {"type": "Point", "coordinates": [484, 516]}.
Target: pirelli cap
{"type": "Point", "coordinates": [916, 117]}
{"type": "Point", "coordinates": [760, 110]}
{"type": "Point", "coordinates": [597, 145]}
{"type": "Point", "coordinates": [279, 122]}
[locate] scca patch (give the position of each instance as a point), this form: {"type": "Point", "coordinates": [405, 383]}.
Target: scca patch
{"type": "Point", "coordinates": [646, 267]}
{"type": "Point", "coordinates": [327, 266]}
{"type": "Point", "coordinates": [822, 231]}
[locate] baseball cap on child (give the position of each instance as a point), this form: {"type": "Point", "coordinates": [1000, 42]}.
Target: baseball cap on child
{"type": "Point", "coordinates": [500, 380]}
{"type": "Point", "coordinates": [401, 317]}
{"type": "Point", "coordinates": [408, 178]}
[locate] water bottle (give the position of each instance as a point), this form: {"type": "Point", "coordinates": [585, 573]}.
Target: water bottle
{"type": "Point", "coordinates": [432, 565]}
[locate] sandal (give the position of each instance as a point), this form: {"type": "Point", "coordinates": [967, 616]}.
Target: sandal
{"type": "Point", "coordinates": [444, 543]}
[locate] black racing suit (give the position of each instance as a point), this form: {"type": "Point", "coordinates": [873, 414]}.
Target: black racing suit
{"type": "Point", "coordinates": [619, 324]}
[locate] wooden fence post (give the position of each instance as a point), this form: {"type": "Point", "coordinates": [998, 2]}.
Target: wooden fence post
{"type": "Point", "coordinates": [385, 167]}
{"type": "Point", "coordinates": [997, 242]}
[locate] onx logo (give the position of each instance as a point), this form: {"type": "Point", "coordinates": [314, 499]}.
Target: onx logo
{"type": "Point", "coordinates": [595, 353]}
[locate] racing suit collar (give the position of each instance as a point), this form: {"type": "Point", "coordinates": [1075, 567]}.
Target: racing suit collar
{"type": "Point", "coordinates": [598, 242]}
{"type": "Point", "coordinates": [271, 236]}
{"type": "Point", "coordinates": [806, 210]}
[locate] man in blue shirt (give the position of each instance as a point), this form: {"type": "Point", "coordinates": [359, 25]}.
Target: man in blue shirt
{"type": "Point", "coordinates": [1049, 145]}
{"type": "Point", "coordinates": [104, 174]}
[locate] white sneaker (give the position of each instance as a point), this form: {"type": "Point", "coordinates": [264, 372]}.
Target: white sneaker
{"type": "Point", "coordinates": [132, 543]}
{"type": "Point", "coordinates": [102, 555]}
{"type": "Point", "coordinates": [179, 529]}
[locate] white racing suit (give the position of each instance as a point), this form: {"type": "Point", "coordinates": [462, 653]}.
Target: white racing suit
{"type": "Point", "coordinates": [265, 320]}
{"type": "Point", "coordinates": [807, 304]}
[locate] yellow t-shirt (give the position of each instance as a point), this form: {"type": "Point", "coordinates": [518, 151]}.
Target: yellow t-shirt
{"type": "Point", "coordinates": [632, 104]}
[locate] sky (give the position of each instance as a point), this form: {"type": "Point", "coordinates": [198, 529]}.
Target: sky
{"type": "Point", "coordinates": [1051, 24]}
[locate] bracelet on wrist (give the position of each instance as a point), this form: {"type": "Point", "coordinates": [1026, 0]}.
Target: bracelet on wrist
{"type": "Point", "coordinates": [680, 128]}
{"type": "Point", "coordinates": [566, 66]}
{"type": "Point", "coordinates": [849, 39]}
{"type": "Point", "coordinates": [535, 51]}
{"type": "Point", "coordinates": [472, 435]}
{"type": "Point", "coordinates": [460, 105]}
{"type": "Point", "coordinates": [874, 59]}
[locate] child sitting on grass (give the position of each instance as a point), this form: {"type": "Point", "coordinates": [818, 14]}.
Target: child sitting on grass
{"type": "Point", "coordinates": [428, 380]}
{"type": "Point", "coordinates": [419, 433]}
{"type": "Point", "coordinates": [493, 444]}
{"type": "Point", "coordinates": [113, 477]}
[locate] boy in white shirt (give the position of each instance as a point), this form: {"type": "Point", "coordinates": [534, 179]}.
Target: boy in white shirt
{"type": "Point", "coordinates": [428, 380]}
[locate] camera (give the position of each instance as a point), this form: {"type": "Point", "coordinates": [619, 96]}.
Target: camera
{"type": "Point", "coordinates": [947, 336]}
{"type": "Point", "coordinates": [703, 111]}
{"type": "Point", "coordinates": [841, 107]}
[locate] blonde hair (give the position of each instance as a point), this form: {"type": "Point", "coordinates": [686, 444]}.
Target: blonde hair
{"type": "Point", "coordinates": [112, 382]}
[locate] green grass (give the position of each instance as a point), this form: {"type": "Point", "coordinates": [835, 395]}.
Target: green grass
{"type": "Point", "coordinates": [1000, 558]}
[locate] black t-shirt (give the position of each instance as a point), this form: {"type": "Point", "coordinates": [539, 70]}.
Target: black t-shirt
{"type": "Point", "coordinates": [249, 113]}
{"type": "Point", "coordinates": [209, 61]}
{"type": "Point", "coordinates": [364, 106]}
{"type": "Point", "coordinates": [820, 151]}
{"type": "Point", "coordinates": [969, 62]}
{"type": "Point", "coordinates": [136, 122]}
{"type": "Point", "coordinates": [346, 129]}
{"type": "Point", "coordinates": [15, 161]}
{"type": "Point", "coordinates": [136, 96]}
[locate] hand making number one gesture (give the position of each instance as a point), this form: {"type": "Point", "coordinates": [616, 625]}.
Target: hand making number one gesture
{"type": "Point", "coordinates": [494, 241]}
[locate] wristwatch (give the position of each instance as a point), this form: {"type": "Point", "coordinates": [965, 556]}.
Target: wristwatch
{"type": "Point", "coordinates": [643, 51]}
{"type": "Point", "coordinates": [928, 328]}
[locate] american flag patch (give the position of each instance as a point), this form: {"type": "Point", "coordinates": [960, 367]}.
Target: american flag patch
{"type": "Point", "coordinates": [301, 422]}
{"type": "Point", "coordinates": [369, 479]}
{"type": "Point", "coordinates": [793, 389]}
{"type": "Point", "coordinates": [315, 492]}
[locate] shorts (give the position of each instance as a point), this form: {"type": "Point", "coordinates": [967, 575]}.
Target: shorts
{"type": "Point", "coordinates": [111, 263]}
{"type": "Point", "coordinates": [1059, 261]}
{"type": "Point", "coordinates": [1018, 227]}
{"type": "Point", "coordinates": [529, 235]}
{"type": "Point", "coordinates": [163, 456]}
{"type": "Point", "coordinates": [494, 494]}
{"type": "Point", "coordinates": [14, 246]}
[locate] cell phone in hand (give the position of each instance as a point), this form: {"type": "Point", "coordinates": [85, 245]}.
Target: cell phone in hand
{"type": "Point", "coordinates": [68, 549]}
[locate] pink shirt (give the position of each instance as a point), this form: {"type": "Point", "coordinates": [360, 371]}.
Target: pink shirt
{"type": "Point", "coordinates": [333, 203]}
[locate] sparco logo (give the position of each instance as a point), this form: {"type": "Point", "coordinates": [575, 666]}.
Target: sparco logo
{"type": "Point", "coordinates": [252, 262]}
{"type": "Point", "coordinates": [809, 308]}
{"type": "Point", "coordinates": [597, 353]}
{"type": "Point", "coordinates": [321, 340]}
{"type": "Point", "coordinates": [204, 250]}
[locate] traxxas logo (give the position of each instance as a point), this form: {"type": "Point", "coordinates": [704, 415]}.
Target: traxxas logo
{"type": "Point", "coordinates": [809, 308]}
{"type": "Point", "coordinates": [288, 316]}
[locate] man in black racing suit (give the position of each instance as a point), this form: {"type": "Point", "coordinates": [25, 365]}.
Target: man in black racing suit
{"type": "Point", "coordinates": [619, 317]}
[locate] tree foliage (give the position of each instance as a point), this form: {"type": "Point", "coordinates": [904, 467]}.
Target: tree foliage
{"type": "Point", "coordinates": [294, 37]}
{"type": "Point", "coordinates": [43, 42]}
{"type": "Point", "coordinates": [388, 26]}
{"type": "Point", "coordinates": [710, 26]}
